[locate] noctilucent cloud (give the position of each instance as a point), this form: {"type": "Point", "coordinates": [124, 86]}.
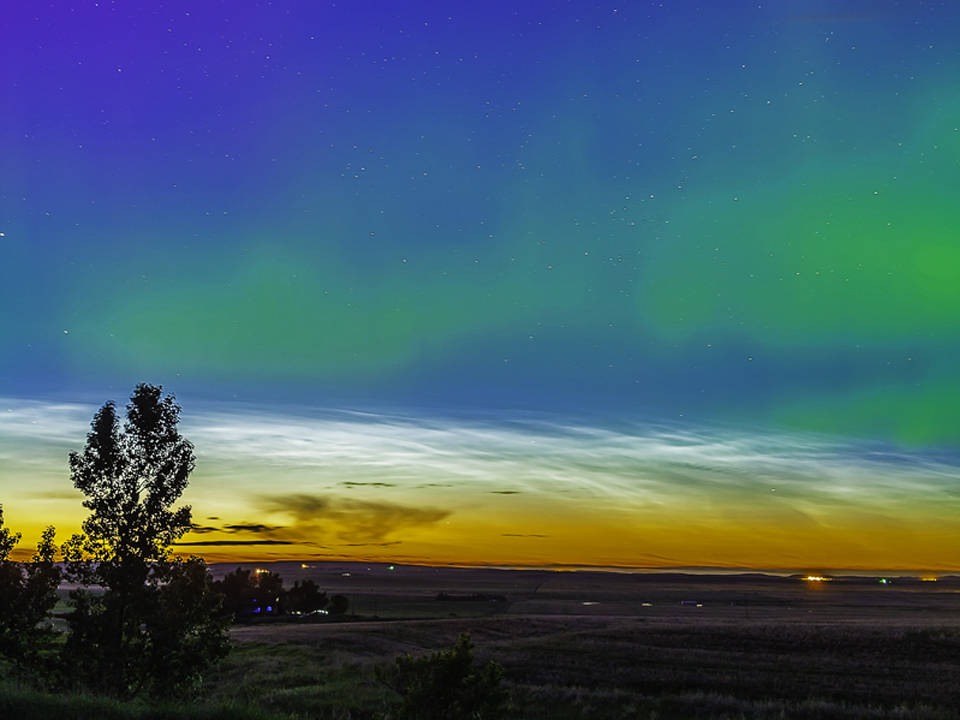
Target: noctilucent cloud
{"type": "Point", "coordinates": [541, 283]}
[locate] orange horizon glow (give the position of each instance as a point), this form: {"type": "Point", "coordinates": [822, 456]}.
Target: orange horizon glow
{"type": "Point", "coordinates": [273, 488]}
{"type": "Point", "coordinates": [563, 536]}
{"type": "Point", "coordinates": [308, 560]}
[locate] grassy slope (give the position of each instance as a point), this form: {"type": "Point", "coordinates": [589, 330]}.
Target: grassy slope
{"type": "Point", "coordinates": [759, 649]}
{"type": "Point", "coordinates": [562, 668]}
{"type": "Point", "coordinates": [577, 667]}
{"type": "Point", "coordinates": [26, 704]}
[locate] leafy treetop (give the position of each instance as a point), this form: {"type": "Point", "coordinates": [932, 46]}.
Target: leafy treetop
{"type": "Point", "coordinates": [154, 623]}
{"type": "Point", "coordinates": [132, 476]}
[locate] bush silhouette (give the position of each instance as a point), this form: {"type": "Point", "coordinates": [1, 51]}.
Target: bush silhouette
{"type": "Point", "coordinates": [248, 594]}
{"type": "Point", "coordinates": [339, 605]}
{"type": "Point", "coordinates": [28, 591]}
{"type": "Point", "coordinates": [305, 597]}
{"type": "Point", "coordinates": [447, 685]}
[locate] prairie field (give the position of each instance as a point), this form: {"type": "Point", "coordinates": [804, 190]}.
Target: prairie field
{"type": "Point", "coordinates": [583, 645]}
{"type": "Point", "coordinates": [609, 645]}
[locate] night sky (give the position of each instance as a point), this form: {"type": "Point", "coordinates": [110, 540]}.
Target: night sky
{"type": "Point", "coordinates": [664, 284]}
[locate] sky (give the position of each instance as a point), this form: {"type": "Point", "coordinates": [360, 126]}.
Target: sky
{"type": "Point", "coordinates": [652, 284]}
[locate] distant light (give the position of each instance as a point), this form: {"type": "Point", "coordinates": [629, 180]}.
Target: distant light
{"type": "Point", "coordinates": [646, 604]}
{"type": "Point", "coordinates": [816, 578]}
{"type": "Point", "coordinates": [261, 571]}
{"type": "Point", "coordinates": [304, 566]}
{"type": "Point", "coordinates": [590, 602]}
{"type": "Point", "coordinates": [929, 579]}
{"type": "Point", "coordinates": [269, 608]}
{"type": "Point", "coordinates": [345, 574]}
{"type": "Point", "coordinates": [884, 581]}
{"type": "Point", "coordinates": [391, 568]}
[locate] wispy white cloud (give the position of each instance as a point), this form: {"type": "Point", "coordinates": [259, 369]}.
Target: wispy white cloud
{"type": "Point", "coordinates": [252, 452]}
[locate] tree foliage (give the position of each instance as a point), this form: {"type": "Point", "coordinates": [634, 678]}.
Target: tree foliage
{"type": "Point", "coordinates": [28, 592]}
{"type": "Point", "coordinates": [156, 624]}
{"type": "Point", "coordinates": [250, 594]}
{"type": "Point", "coordinates": [446, 685]}
{"type": "Point", "coordinates": [186, 627]}
{"type": "Point", "coordinates": [247, 593]}
{"type": "Point", "coordinates": [131, 477]}
{"type": "Point", "coordinates": [305, 597]}
{"type": "Point", "coordinates": [339, 604]}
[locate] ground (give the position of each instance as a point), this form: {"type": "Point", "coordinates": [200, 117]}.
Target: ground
{"type": "Point", "coordinates": [602, 645]}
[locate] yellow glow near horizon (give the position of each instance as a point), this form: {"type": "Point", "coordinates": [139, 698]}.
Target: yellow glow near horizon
{"type": "Point", "coordinates": [533, 494]}
{"type": "Point", "coordinates": [565, 534]}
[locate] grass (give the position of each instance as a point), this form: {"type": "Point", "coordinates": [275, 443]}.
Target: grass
{"type": "Point", "coordinates": [843, 652]}
{"type": "Point", "coordinates": [567, 668]}
{"type": "Point", "coordinates": [27, 704]}
{"type": "Point", "coordinates": [572, 668]}
{"type": "Point", "coordinates": [298, 680]}
{"type": "Point", "coordinates": [676, 670]}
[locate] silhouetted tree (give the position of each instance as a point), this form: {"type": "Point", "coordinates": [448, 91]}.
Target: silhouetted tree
{"type": "Point", "coordinates": [28, 592]}
{"type": "Point", "coordinates": [270, 585]}
{"type": "Point", "coordinates": [305, 597]}
{"type": "Point", "coordinates": [249, 594]}
{"type": "Point", "coordinates": [237, 590]}
{"type": "Point", "coordinates": [154, 610]}
{"type": "Point", "coordinates": [339, 605]}
{"type": "Point", "coordinates": [186, 628]}
{"type": "Point", "coordinates": [447, 685]}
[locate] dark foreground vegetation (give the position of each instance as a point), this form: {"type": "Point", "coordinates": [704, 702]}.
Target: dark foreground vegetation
{"type": "Point", "coordinates": [625, 667]}
{"type": "Point", "coordinates": [566, 667]}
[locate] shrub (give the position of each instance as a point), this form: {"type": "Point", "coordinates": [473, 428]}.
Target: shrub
{"type": "Point", "coordinates": [339, 605]}
{"type": "Point", "coordinates": [447, 685]}
{"type": "Point", "coordinates": [28, 591]}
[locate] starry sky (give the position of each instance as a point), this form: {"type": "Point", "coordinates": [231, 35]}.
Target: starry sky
{"type": "Point", "coordinates": [652, 284]}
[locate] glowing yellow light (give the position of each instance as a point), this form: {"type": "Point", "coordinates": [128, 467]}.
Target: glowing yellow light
{"type": "Point", "coordinates": [260, 571]}
{"type": "Point", "coordinates": [814, 578]}
{"type": "Point", "coordinates": [929, 579]}
{"type": "Point", "coordinates": [304, 566]}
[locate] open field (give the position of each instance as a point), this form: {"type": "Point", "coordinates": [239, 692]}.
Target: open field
{"type": "Point", "coordinates": [410, 591]}
{"type": "Point", "coordinates": [602, 645]}
{"type": "Point", "coordinates": [585, 645]}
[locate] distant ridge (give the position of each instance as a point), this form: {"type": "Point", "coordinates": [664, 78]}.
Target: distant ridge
{"type": "Point", "coordinates": [675, 574]}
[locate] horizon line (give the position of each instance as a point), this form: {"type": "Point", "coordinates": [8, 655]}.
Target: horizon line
{"type": "Point", "coordinates": [616, 569]}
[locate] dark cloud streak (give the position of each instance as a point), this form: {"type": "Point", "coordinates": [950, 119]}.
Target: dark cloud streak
{"type": "Point", "coordinates": [210, 543]}
{"type": "Point", "coordinates": [203, 529]}
{"type": "Point", "coordinates": [251, 527]}
{"type": "Point", "coordinates": [355, 521]}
